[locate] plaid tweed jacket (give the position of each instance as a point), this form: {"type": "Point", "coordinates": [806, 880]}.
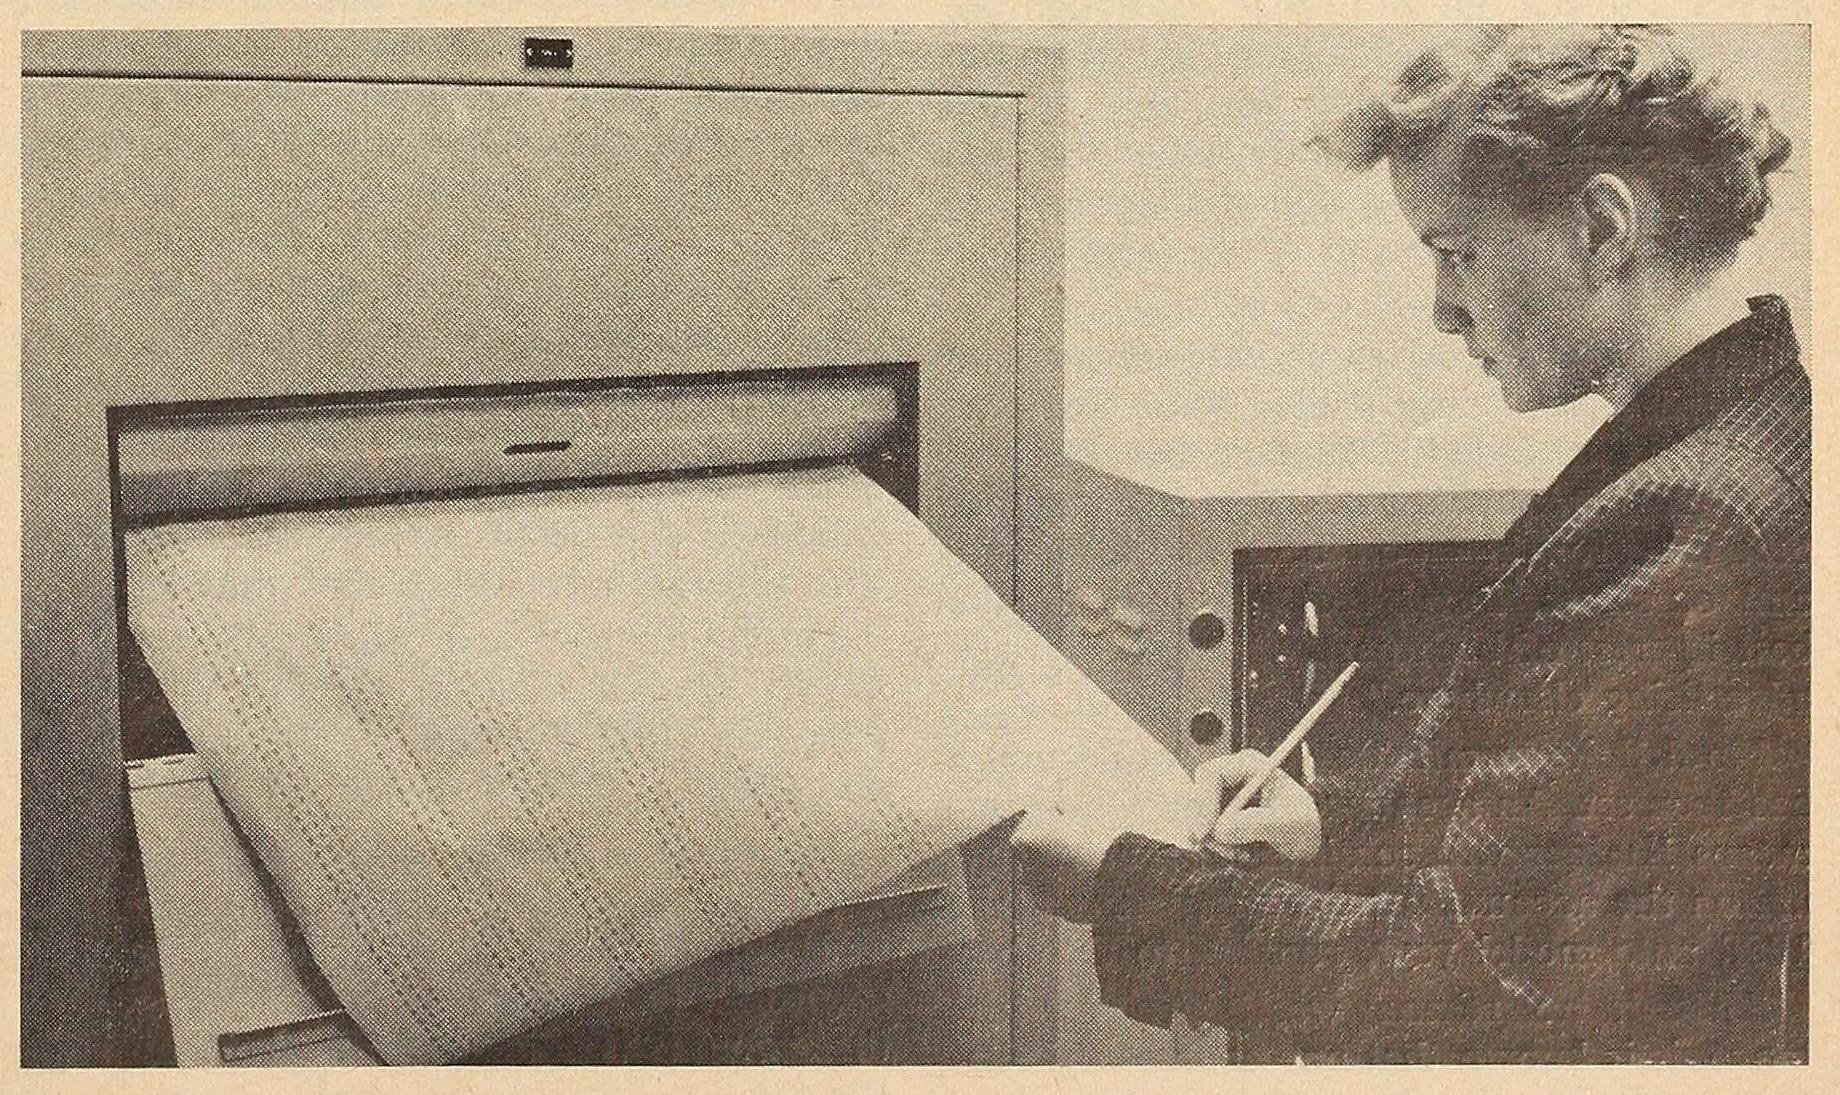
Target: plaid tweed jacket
{"type": "Point", "coordinates": [1591, 843]}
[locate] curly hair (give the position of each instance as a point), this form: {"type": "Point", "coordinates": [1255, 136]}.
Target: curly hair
{"type": "Point", "coordinates": [1543, 108]}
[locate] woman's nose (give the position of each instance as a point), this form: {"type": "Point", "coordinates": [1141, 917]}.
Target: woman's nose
{"type": "Point", "coordinates": [1446, 315]}
{"type": "Point", "coordinates": [1449, 319]}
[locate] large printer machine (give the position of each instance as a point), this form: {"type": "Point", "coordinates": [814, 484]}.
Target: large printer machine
{"type": "Point", "coordinates": [283, 269]}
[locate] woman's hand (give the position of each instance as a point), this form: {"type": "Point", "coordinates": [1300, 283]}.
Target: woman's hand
{"type": "Point", "coordinates": [1058, 852]}
{"type": "Point", "coordinates": [1057, 859]}
{"type": "Point", "coordinates": [1284, 815]}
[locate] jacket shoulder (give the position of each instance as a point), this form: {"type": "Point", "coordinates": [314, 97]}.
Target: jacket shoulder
{"type": "Point", "coordinates": [1774, 427]}
{"type": "Point", "coordinates": [1746, 474]}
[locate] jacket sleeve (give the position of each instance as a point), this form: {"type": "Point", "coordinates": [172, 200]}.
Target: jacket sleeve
{"type": "Point", "coordinates": [1362, 808]}
{"type": "Point", "coordinates": [1624, 782]}
{"type": "Point", "coordinates": [1177, 933]}
{"type": "Point", "coordinates": [1361, 811]}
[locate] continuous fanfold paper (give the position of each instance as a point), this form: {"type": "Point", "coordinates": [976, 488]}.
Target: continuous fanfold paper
{"type": "Point", "coordinates": [510, 757]}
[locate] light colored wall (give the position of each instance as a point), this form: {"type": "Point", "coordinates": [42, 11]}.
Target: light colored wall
{"type": "Point", "coordinates": [1245, 318]}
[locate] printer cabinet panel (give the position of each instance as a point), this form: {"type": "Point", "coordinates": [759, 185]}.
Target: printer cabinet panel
{"type": "Point", "coordinates": [189, 239]}
{"type": "Point", "coordinates": [215, 238]}
{"type": "Point", "coordinates": [72, 820]}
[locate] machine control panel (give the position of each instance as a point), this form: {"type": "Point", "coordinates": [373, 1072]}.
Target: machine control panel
{"type": "Point", "coordinates": [1306, 612]}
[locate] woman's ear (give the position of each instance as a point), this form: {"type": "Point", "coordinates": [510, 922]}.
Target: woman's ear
{"type": "Point", "coordinates": [1609, 225]}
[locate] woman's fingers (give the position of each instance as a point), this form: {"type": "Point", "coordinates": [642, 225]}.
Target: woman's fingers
{"type": "Point", "coordinates": [1253, 825]}
{"type": "Point", "coordinates": [1216, 782]}
{"type": "Point", "coordinates": [1282, 815]}
{"type": "Point", "coordinates": [1287, 820]}
{"type": "Point", "coordinates": [1281, 789]}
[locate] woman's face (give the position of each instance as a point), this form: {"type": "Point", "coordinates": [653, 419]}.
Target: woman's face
{"type": "Point", "coordinates": [1513, 287]}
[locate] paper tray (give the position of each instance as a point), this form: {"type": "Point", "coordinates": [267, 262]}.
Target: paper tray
{"type": "Point", "coordinates": [238, 994]}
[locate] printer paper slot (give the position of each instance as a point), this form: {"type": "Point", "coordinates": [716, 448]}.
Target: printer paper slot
{"type": "Point", "coordinates": [184, 462]}
{"type": "Point", "coordinates": [503, 760]}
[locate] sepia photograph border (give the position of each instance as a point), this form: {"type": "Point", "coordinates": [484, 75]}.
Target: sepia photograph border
{"type": "Point", "coordinates": [1819, 327]}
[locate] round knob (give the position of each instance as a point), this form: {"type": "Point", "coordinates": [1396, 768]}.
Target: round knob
{"type": "Point", "coordinates": [1206, 727]}
{"type": "Point", "coordinates": [1206, 630]}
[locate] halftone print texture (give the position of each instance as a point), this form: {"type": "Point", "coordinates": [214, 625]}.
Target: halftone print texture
{"type": "Point", "coordinates": [1170, 411]}
{"type": "Point", "coordinates": [494, 792]}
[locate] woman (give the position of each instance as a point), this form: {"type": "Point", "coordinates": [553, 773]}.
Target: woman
{"type": "Point", "coordinates": [1592, 843]}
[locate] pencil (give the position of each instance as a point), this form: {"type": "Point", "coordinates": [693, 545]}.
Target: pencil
{"type": "Point", "coordinates": [1291, 741]}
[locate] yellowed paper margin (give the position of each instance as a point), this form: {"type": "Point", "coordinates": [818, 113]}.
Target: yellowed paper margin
{"type": "Point", "coordinates": [1822, 1075]}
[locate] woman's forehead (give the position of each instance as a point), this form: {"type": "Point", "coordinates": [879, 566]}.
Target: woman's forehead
{"type": "Point", "coordinates": [1426, 185]}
